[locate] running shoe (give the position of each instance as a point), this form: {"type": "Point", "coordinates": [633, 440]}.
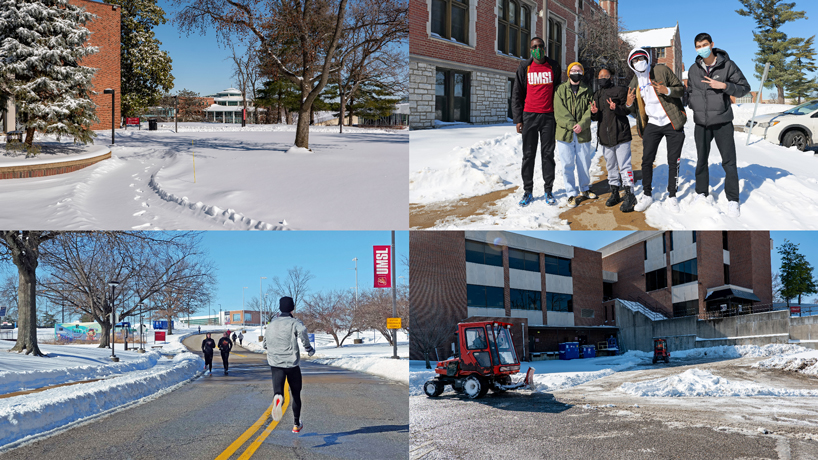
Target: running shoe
{"type": "Point", "coordinates": [297, 428]}
{"type": "Point", "coordinates": [549, 198]}
{"type": "Point", "coordinates": [278, 402]}
{"type": "Point", "coordinates": [527, 199]}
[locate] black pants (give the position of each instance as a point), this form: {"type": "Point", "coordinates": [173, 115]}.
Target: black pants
{"type": "Point", "coordinates": [293, 376]}
{"type": "Point", "coordinates": [538, 128]}
{"type": "Point", "coordinates": [209, 360]}
{"type": "Point", "coordinates": [225, 355]}
{"type": "Point", "coordinates": [726, 143]}
{"type": "Point", "coordinates": [651, 137]}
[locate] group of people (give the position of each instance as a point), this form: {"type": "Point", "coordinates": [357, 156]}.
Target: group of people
{"type": "Point", "coordinates": [558, 116]}
{"type": "Point", "coordinates": [283, 355]}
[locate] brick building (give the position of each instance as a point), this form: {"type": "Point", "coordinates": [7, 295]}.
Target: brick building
{"type": "Point", "coordinates": [463, 54]}
{"type": "Point", "coordinates": [105, 34]}
{"type": "Point", "coordinates": [555, 293]}
{"type": "Point", "coordinates": [685, 273]}
{"type": "Point", "coordinates": [667, 42]}
{"type": "Point", "coordinates": [241, 318]}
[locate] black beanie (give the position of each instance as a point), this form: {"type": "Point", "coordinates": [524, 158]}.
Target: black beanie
{"type": "Point", "coordinates": [286, 304]}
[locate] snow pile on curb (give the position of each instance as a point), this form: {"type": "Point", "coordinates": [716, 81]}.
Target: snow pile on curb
{"type": "Point", "coordinates": [11, 381]}
{"type": "Point", "coordinates": [37, 413]}
{"type": "Point", "coordinates": [417, 379]}
{"type": "Point", "coordinates": [697, 382]}
{"type": "Point", "coordinates": [392, 369]}
{"type": "Point", "coordinates": [805, 362]}
{"type": "Point", "coordinates": [738, 351]}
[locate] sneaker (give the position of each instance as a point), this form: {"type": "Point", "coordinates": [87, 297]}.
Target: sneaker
{"type": "Point", "coordinates": [527, 199]}
{"type": "Point", "coordinates": [208, 372]}
{"type": "Point", "coordinates": [549, 198]}
{"type": "Point", "coordinates": [589, 195]}
{"type": "Point", "coordinates": [644, 203]}
{"type": "Point", "coordinates": [297, 428]}
{"type": "Point", "coordinates": [700, 198]}
{"type": "Point", "coordinates": [278, 402]}
{"type": "Point", "coordinates": [572, 202]}
{"type": "Point", "coordinates": [225, 372]}
{"type": "Point", "coordinates": [673, 204]}
{"type": "Point", "coordinates": [733, 209]}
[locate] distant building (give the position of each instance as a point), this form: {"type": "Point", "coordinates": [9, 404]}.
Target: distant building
{"type": "Point", "coordinates": [241, 318]}
{"type": "Point", "coordinates": [226, 107]}
{"type": "Point", "coordinates": [667, 42]}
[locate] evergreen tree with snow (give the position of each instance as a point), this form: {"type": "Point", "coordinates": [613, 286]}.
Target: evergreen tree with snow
{"type": "Point", "coordinates": [146, 70]}
{"type": "Point", "coordinates": [773, 45]}
{"type": "Point", "coordinates": [803, 61]}
{"type": "Point", "coordinates": [41, 45]}
{"type": "Point", "coordinates": [796, 273]}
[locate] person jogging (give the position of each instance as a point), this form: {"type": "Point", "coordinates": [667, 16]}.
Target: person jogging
{"type": "Point", "coordinates": [208, 345]}
{"type": "Point", "coordinates": [234, 337]}
{"type": "Point", "coordinates": [241, 337]}
{"type": "Point", "coordinates": [283, 356]}
{"type": "Point", "coordinates": [532, 104]}
{"type": "Point", "coordinates": [225, 345]}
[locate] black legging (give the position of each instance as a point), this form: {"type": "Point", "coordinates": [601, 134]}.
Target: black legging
{"type": "Point", "coordinates": [293, 376]}
{"type": "Point", "coordinates": [225, 355]}
{"type": "Point", "coordinates": [209, 360]}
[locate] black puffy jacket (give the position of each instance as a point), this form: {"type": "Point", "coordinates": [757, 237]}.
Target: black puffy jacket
{"type": "Point", "coordinates": [713, 106]}
{"type": "Point", "coordinates": [613, 128]}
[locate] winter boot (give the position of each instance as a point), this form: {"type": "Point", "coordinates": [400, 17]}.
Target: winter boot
{"type": "Point", "coordinates": [614, 199]}
{"type": "Point", "coordinates": [629, 202]}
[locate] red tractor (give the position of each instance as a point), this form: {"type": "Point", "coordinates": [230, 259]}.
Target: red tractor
{"type": "Point", "coordinates": [660, 351]}
{"type": "Point", "coordinates": [484, 359]}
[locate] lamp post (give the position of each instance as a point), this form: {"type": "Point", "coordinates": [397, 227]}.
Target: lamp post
{"type": "Point", "coordinates": [261, 297]}
{"type": "Point", "coordinates": [355, 259]}
{"type": "Point", "coordinates": [394, 302]}
{"type": "Point", "coordinates": [112, 92]}
{"type": "Point", "coordinates": [176, 117]}
{"type": "Point", "coordinates": [113, 285]}
{"type": "Point", "coordinates": [242, 298]}
{"type": "Point", "coordinates": [220, 315]}
{"type": "Point", "coordinates": [141, 340]}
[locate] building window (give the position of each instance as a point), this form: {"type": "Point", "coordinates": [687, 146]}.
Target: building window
{"type": "Point", "coordinates": [660, 52]}
{"type": "Point", "coordinates": [523, 260]}
{"type": "Point", "coordinates": [684, 272]}
{"type": "Point", "coordinates": [509, 90]}
{"type": "Point", "coordinates": [607, 292]}
{"type": "Point", "coordinates": [525, 300]}
{"type": "Point", "coordinates": [645, 247]}
{"type": "Point", "coordinates": [450, 19]}
{"type": "Point", "coordinates": [559, 302]}
{"type": "Point", "coordinates": [687, 308]}
{"type": "Point", "coordinates": [451, 95]}
{"type": "Point", "coordinates": [557, 266]}
{"type": "Point", "coordinates": [724, 241]}
{"type": "Point", "coordinates": [664, 245]}
{"type": "Point", "coordinates": [694, 236]}
{"type": "Point", "coordinates": [726, 274]}
{"type": "Point", "coordinates": [656, 279]}
{"type": "Point", "coordinates": [484, 296]}
{"type": "Point", "coordinates": [482, 253]}
{"type": "Point", "coordinates": [513, 28]}
{"type": "Point", "coordinates": [236, 317]}
{"type": "Point", "coordinates": [248, 317]}
{"type": "Point", "coordinates": [587, 313]}
{"type": "Point", "coordinates": [555, 40]}
{"type": "Point", "coordinates": [670, 235]}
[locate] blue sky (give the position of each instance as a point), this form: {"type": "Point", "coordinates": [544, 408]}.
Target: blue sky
{"type": "Point", "coordinates": [730, 32]}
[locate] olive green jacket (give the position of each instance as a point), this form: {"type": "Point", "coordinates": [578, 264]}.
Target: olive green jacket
{"type": "Point", "coordinates": [571, 109]}
{"type": "Point", "coordinates": [672, 103]}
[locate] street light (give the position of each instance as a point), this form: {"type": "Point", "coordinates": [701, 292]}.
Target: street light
{"type": "Point", "coordinates": [176, 117]}
{"type": "Point", "coordinates": [242, 298]}
{"type": "Point", "coordinates": [261, 297]}
{"type": "Point", "coordinates": [355, 259]}
{"type": "Point", "coordinates": [112, 92]}
{"type": "Point", "coordinates": [113, 285]}
{"type": "Point", "coordinates": [141, 340]}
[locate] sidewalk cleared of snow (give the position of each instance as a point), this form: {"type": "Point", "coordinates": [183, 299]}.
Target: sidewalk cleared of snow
{"type": "Point", "coordinates": [697, 382]}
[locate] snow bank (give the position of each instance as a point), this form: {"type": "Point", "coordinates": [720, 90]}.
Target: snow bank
{"type": "Point", "coordinates": [737, 351]}
{"type": "Point", "coordinates": [805, 362]}
{"type": "Point", "coordinates": [37, 413]}
{"type": "Point", "coordinates": [743, 112]}
{"type": "Point", "coordinates": [697, 382]}
{"type": "Point", "coordinates": [392, 369]}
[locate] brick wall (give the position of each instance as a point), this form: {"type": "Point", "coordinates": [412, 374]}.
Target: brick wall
{"type": "Point", "coordinates": [710, 263]}
{"type": "Point", "coordinates": [586, 270]}
{"type": "Point", "coordinates": [105, 34]}
{"type": "Point", "coordinates": [750, 264]}
{"type": "Point", "coordinates": [629, 264]}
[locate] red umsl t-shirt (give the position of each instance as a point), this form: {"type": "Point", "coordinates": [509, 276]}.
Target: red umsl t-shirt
{"type": "Point", "coordinates": [540, 90]}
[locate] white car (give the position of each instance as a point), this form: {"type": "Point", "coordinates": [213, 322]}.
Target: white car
{"type": "Point", "coordinates": [797, 126]}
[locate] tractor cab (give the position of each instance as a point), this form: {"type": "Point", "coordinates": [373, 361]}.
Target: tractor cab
{"type": "Point", "coordinates": [660, 351]}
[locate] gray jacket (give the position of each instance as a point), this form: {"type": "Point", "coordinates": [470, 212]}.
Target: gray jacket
{"type": "Point", "coordinates": [281, 341]}
{"type": "Point", "coordinates": [713, 106]}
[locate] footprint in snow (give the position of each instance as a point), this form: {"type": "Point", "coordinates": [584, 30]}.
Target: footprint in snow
{"type": "Point", "coordinates": [141, 226]}
{"type": "Point", "coordinates": [138, 191]}
{"type": "Point", "coordinates": [139, 213]}
{"type": "Point", "coordinates": [131, 185]}
{"type": "Point", "coordinates": [137, 197]}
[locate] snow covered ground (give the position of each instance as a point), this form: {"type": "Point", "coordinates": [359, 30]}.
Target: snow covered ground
{"type": "Point", "coordinates": [697, 382]}
{"type": "Point", "coordinates": [778, 186]}
{"type": "Point", "coordinates": [245, 178]}
{"type": "Point", "coordinates": [373, 356]}
{"type": "Point", "coordinates": [805, 362]}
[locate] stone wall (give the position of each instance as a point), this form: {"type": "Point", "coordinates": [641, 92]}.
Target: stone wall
{"type": "Point", "coordinates": [489, 101]}
{"type": "Point", "coordinates": [421, 95]}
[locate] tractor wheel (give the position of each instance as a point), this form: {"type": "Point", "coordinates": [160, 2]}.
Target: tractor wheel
{"type": "Point", "coordinates": [474, 387]}
{"type": "Point", "coordinates": [433, 388]}
{"type": "Point", "coordinates": [654, 360]}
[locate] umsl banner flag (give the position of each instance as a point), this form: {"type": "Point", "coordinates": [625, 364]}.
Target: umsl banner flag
{"type": "Point", "coordinates": [383, 266]}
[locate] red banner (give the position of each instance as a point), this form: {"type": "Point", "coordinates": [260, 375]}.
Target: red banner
{"type": "Point", "coordinates": [795, 309]}
{"type": "Point", "coordinates": [132, 121]}
{"type": "Point", "coordinates": [383, 266]}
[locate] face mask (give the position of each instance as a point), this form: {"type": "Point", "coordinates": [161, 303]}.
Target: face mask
{"type": "Point", "coordinates": [576, 77]}
{"type": "Point", "coordinates": [537, 54]}
{"type": "Point", "coordinates": [704, 52]}
{"type": "Point", "coordinates": [640, 66]}
{"type": "Point", "coordinates": [604, 82]}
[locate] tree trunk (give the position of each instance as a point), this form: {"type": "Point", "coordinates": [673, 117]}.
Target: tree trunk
{"type": "Point", "coordinates": [302, 130]}
{"type": "Point", "coordinates": [343, 104]}
{"type": "Point", "coordinates": [27, 311]}
{"type": "Point", "coordinates": [170, 325]}
{"type": "Point", "coordinates": [780, 94]}
{"type": "Point", "coordinates": [335, 337]}
{"type": "Point", "coordinates": [351, 111]}
{"type": "Point", "coordinates": [105, 338]}
{"type": "Point", "coordinates": [29, 136]}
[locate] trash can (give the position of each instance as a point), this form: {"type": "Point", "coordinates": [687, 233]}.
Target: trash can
{"type": "Point", "coordinates": [588, 351]}
{"type": "Point", "coordinates": [569, 350]}
{"type": "Point", "coordinates": [152, 125]}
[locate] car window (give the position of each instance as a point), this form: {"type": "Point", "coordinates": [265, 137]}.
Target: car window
{"type": "Point", "coordinates": [803, 109]}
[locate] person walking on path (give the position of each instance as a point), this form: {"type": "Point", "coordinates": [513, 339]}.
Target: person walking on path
{"type": "Point", "coordinates": [208, 345]}
{"type": "Point", "coordinates": [614, 134]}
{"type": "Point", "coordinates": [241, 337]}
{"type": "Point", "coordinates": [234, 337]}
{"type": "Point", "coordinates": [532, 105]}
{"type": "Point", "coordinates": [572, 111]}
{"type": "Point", "coordinates": [658, 93]}
{"type": "Point", "coordinates": [712, 79]}
{"type": "Point", "coordinates": [225, 345]}
{"type": "Point", "coordinates": [283, 356]}
{"type": "Point", "coordinates": [200, 329]}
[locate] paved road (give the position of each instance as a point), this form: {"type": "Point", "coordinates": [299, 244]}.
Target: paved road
{"type": "Point", "coordinates": [346, 415]}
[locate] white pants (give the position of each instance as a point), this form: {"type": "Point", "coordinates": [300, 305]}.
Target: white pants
{"type": "Point", "coordinates": [618, 162]}
{"type": "Point", "coordinates": [575, 157]}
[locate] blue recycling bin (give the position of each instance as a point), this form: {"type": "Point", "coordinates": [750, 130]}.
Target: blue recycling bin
{"type": "Point", "coordinates": [612, 345]}
{"type": "Point", "coordinates": [588, 351]}
{"type": "Point", "coordinates": [569, 350]}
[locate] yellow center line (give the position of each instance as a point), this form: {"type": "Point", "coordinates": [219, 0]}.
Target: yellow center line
{"type": "Point", "coordinates": [243, 356]}
{"type": "Point", "coordinates": [251, 449]}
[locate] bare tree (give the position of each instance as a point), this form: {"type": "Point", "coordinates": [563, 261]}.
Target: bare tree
{"type": "Point", "coordinates": [246, 73]}
{"type": "Point", "coordinates": [600, 46]}
{"type": "Point", "coordinates": [295, 284]}
{"type": "Point", "coordinates": [376, 307]}
{"type": "Point", "coordinates": [776, 286]}
{"type": "Point", "coordinates": [333, 312]}
{"type": "Point", "coordinates": [8, 295]}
